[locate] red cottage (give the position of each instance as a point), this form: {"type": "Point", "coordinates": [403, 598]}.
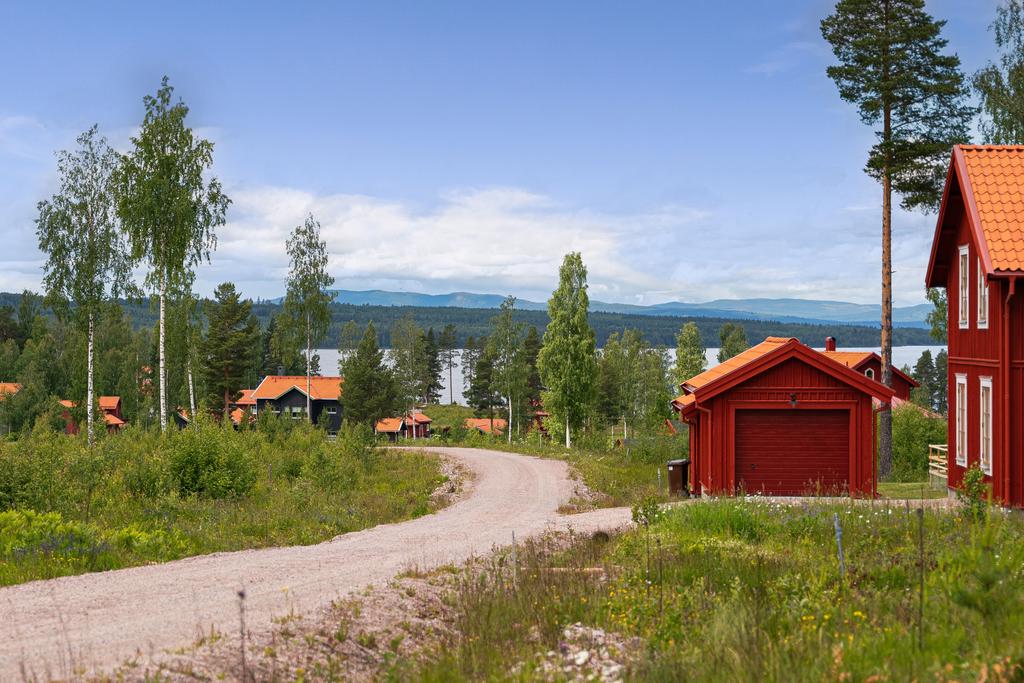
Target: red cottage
{"type": "Point", "coordinates": [977, 257]}
{"type": "Point", "coordinates": [870, 363]}
{"type": "Point", "coordinates": [781, 418]}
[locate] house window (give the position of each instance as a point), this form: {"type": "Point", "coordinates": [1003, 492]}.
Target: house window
{"type": "Point", "coordinates": [985, 408]}
{"type": "Point", "coordinates": [982, 299]}
{"type": "Point", "coordinates": [965, 269]}
{"type": "Point", "coordinates": [297, 412]}
{"type": "Point", "coordinates": [332, 410]}
{"type": "Point", "coordinates": [961, 420]}
{"type": "Point", "coordinates": [869, 373]}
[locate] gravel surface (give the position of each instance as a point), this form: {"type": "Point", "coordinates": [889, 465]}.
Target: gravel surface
{"type": "Point", "coordinates": [63, 628]}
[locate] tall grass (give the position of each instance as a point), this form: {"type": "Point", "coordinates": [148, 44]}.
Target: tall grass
{"type": "Point", "coordinates": [748, 591]}
{"type": "Point", "coordinates": [140, 497]}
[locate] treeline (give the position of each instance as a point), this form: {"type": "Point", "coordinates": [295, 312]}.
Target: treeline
{"type": "Point", "coordinates": [475, 322]}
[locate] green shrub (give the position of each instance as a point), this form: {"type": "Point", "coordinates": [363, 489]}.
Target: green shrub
{"type": "Point", "coordinates": [912, 432]}
{"type": "Point", "coordinates": [209, 461]}
{"type": "Point", "coordinates": [973, 493]}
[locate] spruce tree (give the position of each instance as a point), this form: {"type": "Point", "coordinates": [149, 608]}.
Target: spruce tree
{"type": "Point", "coordinates": [230, 336]}
{"type": "Point", "coordinates": [924, 374]}
{"type": "Point", "coordinates": [892, 64]}
{"type": "Point", "coordinates": [369, 392]}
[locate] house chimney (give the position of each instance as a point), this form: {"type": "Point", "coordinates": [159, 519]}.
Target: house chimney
{"type": "Point", "coordinates": [830, 343]}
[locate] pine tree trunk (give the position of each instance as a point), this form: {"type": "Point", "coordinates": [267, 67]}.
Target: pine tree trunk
{"type": "Point", "coordinates": [163, 357]}
{"type": "Point", "coordinates": [89, 383]}
{"type": "Point", "coordinates": [309, 370]}
{"type": "Point", "coordinates": [885, 417]}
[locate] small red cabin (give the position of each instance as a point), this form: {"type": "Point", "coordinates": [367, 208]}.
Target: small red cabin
{"type": "Point", "coordinates": [870, 364]}
{"type": "Point", "coordinates": [782, 419]}
{"type": "Point", "coordinates": [978, 258]}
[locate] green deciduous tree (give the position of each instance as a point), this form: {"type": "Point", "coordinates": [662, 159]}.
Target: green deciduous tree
{"type": "Point", "coordinates": [938, 317]}
{"type": "Point", "coordinates": [732, 339]}
{"type": "Point", "coordinates": [691, 356]}
{"type": "Point", "coordinates": [87, 257]}
{"type": "Point", "coordinates": [230, 334]}
{"type": "Point", "coordinates": [567, 361]}
{"type": "Point", "coordinates": [633, 382]}
{"type": "Point", "coordinates": [924, 374]}
{"type": "Point", "coordinates": [307, 308]}
{"type": "Point", "coordinates": [510, 372]}
{"type": "Point", "coordinates": [893, 65]}
{"type": "Point", "coordinates": [167, 206]}
{"type": "Point", "coordinates": [471, 353]}
{"type": "Point", "coordinates": [941, 400]}
{"type": "Point", "coordinates": [1000, 84]}
{"type": "Point", "coordinates": [370, 392]}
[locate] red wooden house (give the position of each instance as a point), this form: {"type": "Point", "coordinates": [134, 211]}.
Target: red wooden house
{"type": "Point", "coordinates": [783, 419]}
{"type": "Point", "coordinates": [978, 258]}
{"type": "Point", "coordinates": [870, 364]}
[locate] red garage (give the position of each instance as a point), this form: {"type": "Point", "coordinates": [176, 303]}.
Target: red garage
{"type": "Point", "coordinates": [782, 419]}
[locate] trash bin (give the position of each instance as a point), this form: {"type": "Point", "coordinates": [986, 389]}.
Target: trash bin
{"type": "Point", "coordinates": [678, 477]}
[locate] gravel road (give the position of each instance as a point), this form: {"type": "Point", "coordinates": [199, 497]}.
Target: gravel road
{"type": "Point", "coordinates": [62, 627]}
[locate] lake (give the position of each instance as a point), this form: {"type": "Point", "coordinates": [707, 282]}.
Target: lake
{"type": "Point", "coordinates": [901, 355]}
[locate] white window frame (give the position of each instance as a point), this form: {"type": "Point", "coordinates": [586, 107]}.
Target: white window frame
{"type": "Point", "coordinates": [961, 420]}
{"type": "Point", "coordinates": [985, 424]}
{"type": "Point", "coordinates": [869, 373]}
{"type": "Point", "coordinates": [332, 410]}
{"type": "Point", "coordinates": [982, 299]}
{"type": "Point", "coordinates": [964, 300]}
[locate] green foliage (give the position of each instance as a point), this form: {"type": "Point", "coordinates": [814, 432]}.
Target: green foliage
{"type": "Point", "coordinates": [974, 494]}
{"type": "Point", "coordinates": [567, 360]}
{"type": "Point", "coordinates": [912, 432]}
{"type": "Point", "coordinates": [231, 332]}
{"type": "Point", "coordinates": [370, 391]}
{"type": "Point", "coordinates": [691, 355]}
{"type": "Point", "coordinates": [750, 591]}
{"type": "Point", "coordinates": [67, 509]}
{"type": "Point", "coordinates": [732, 340]}
{"type": "Point", "coordinates": [211, 462]}
{"type": "Point", "coordinates": [633, 388]}
{"type": "Point", "coordinates": [938, 317]}
{"type": "Point", "coordinates": [1000, 85]}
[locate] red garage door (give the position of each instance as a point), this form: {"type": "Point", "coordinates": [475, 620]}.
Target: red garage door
{"type": "Point", "coordinates": [793, 452]}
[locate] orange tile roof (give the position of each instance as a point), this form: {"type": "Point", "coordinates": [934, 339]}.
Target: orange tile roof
{"type": "Point", "coordinates": [850, 359]}
{"type": "Point", "coordinates": [113, 420]}
{"type": "Point", "coordinates": [109, 402]}
{"type": "Point", "coordinates": [238, 414]}
{"type": "Point", "coordinates": [753, 353]}
{"type": "Point", "coordinates": [995, 183]}
{"type": "Point", "coordinates": [9, 388]}
{"type": "Point", "coordinates": [246, 398]}
{"type": "Point", "coordinates": [68, 404]}
{"type": "Point", "coordinates": [389, 424]}
{"type": "Point", "coordinates": [322, 387]}
{"type": "Point", "coordinates": [484, 424]}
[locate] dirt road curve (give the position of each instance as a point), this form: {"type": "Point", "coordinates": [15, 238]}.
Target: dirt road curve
{"type": "Point", "coordinates": [95, 621]}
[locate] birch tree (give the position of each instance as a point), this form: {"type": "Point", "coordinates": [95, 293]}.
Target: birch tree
{"type": "Point", "coordinates": [87, 258]}
{"type": "Point", "coordinates": [567, 361]}
{"type": "Point", "coordinates": [168, 208]}
{"type": "Point", "coordinates": [307, 303]}
{"type": "Point", "coordinates": [510, 373]}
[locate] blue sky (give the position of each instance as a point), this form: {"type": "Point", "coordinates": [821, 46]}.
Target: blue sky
{"type": "Point", "coordinates": [690, 150]}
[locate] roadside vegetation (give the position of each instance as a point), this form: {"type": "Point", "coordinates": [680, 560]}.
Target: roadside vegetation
{"type": "Point", "coordinates": [740, 590]}
{"type": "Point", "coordinates": [139, 497]}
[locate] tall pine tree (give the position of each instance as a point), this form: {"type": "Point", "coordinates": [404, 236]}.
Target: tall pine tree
{"type": "Point", "coordinates": [892, 64]}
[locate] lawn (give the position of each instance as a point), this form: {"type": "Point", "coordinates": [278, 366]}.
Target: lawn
{"type": "Point", "coordinates": [735, 590]}
{"type": "Point", "coordinates": [913, 490]}
{"type": "Point", "coordinates": [139, 497]}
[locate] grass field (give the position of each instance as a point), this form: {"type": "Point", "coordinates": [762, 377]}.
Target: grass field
{"type": "Point", "coordinates": [138, 497]}
{"type": "Point", "coordinates": [734, 590]}
{"type": "Point", "coordinates": [913, 490]}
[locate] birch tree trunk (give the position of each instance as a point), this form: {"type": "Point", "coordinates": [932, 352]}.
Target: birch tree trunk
{"type": "Point", "coordinates": [163, 358]}
{"type": "Point", "coordinates": [509, 426]}
{"type": "Point", "coordinates": [568, 438]}
{"type": "Point", "coordinates": [89, 383]}
{"type": "Point", "coordinates": [191, 392]}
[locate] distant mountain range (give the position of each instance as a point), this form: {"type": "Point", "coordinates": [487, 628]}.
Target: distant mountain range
{"type": "Point", "coordinates": [782, 310]}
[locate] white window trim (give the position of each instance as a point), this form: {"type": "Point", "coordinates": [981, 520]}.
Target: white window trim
{"type": "Point", "coordinates": [985, 430]}
{"type": "Point", "coordinates": [960, 419]}
{"type": "Point", "coordinates": [982, 299]}
{"type": "Point", "coordinates": [869, 373]}
{"type": "Point", "coordinates": [964, 288]}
